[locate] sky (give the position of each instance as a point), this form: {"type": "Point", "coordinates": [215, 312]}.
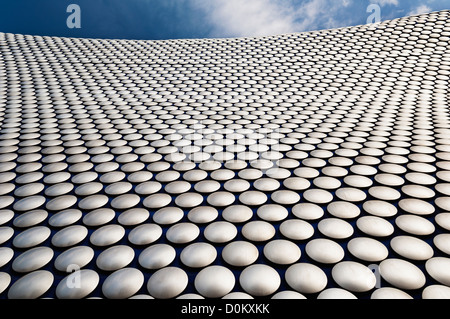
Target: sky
{"type": "Point", "coordinates": [179, 19]}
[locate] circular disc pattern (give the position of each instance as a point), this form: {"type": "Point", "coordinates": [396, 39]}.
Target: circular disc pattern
{"type": "Point", "coordinates": [302, 165]}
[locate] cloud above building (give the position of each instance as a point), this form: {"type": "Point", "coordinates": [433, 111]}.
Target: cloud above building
{"type": "Point", "coordinates": [420, 10]}
{"type": "Point", "coordinates": [267, 17]}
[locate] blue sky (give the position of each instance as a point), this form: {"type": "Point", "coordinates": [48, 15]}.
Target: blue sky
{"type": "Point", "coordinates": [175, 19]}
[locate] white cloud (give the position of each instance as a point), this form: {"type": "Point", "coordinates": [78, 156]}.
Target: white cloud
{"type": "Point", "coordinates": [268, 17]}
{"type": "Point", "coordinates": [346, 3]}
{"type": "Point", "coordinates": [315, 13]}
{"type": "Point", "coordinates": [386, 2]}
{"type": "Point", "coordinates": [241, 18]}
{"type": "Point", "coordinates": [419, 10]}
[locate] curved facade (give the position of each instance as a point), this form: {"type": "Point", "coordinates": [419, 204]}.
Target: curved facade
{"type": "Point", "coordinates": [306, 165]}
